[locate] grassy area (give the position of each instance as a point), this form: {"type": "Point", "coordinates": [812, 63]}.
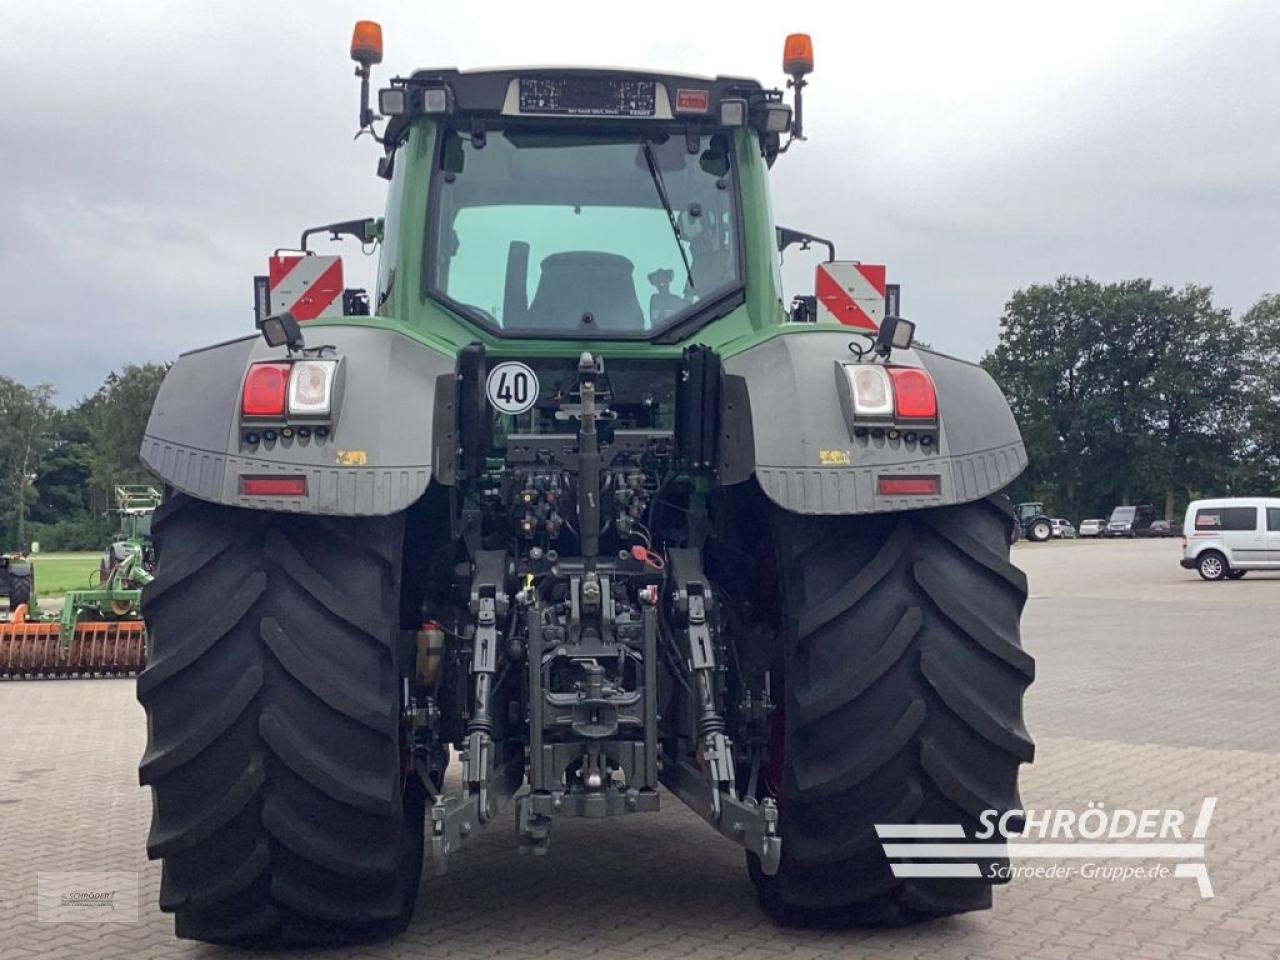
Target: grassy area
{"type": "Point", "coordinates": [56, 573]}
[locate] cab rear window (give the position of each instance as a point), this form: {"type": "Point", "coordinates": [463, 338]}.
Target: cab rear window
{"type": "Point", "coordinates": [1227, 518]}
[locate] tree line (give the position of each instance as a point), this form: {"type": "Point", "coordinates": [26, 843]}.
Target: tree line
{"type": "Point", "coordinates": [59, 468]}
{"type": "Point", "coordinates": [1134, 393]}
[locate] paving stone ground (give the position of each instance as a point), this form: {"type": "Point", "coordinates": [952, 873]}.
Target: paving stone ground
{"type": "Point", "coordinates": [1154, 690]}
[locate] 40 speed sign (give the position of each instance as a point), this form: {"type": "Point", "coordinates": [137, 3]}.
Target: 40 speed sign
{"type": "Point", "coordinates": [512, 387]}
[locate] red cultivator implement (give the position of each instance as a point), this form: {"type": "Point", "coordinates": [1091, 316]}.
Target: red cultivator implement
{"type": "Point", "coordinates": [96, 648]}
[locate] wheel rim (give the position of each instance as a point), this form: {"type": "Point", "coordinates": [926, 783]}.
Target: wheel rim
{"type": "Point", "coordinates": [1043, 531]}
{"type": "Point", "coordinates": [1212, 567]}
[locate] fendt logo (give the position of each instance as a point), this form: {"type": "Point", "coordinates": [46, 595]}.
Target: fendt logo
{"type": "Point", "coordinates": [1078, 842]}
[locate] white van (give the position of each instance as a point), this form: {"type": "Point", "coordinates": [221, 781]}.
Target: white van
{"type": "Point", "coordinates": [1223, 539]}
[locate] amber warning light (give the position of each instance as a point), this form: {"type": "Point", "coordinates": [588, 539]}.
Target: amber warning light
{"type": "Point", "coordinates": [797, 55]}
{"type": "Point", "coordinates": [366, 43]}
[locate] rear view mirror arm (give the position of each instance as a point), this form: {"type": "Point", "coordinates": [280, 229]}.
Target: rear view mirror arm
{"type": "Point", "coordinates": [365, 230]}
{"type": "Point", "coordinates": [788, 237]}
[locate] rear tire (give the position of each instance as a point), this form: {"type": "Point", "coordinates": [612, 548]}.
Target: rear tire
{"type": "Point", "coordinates": [1236, 574]}
{"type": "Point", "coordinates": [273, 717]}
{"type": "Point", "coordinates": [1041, 531]}
{"type": "Point", "coordinates": [20, 590]}
{"type": "Point", "coordinates": [1211, 565]}
{"type": "Point", "coordinates": [903, 677]}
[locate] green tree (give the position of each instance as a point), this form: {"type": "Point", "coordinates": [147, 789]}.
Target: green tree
{"type": "Point", "coordinates": [117, 415]}
{"type": "Point", "coordinates": [1258, 469]}
{"type": "Point", "coordinates": [1049, 362]}
{"type": "Point", "coordinates": [1193, 416]}
{"type": "Point", "coordinates": [1124, 392]}
{"type": "Point", "coordinates": [62, 489]}
{"type": "Point", "coordinates": [25, 417]}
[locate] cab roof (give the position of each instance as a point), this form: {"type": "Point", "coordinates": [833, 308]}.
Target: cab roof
{"type": "Point", "coordinates": [486, 90]}
{"type": "Point", "coordinates": [574, 93]}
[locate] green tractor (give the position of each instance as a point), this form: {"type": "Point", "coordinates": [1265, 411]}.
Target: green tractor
{"type": "Point", "coordinates": [570, 508]}
{"type": "Point", "coordinates": [99, 631]}
{"type": "Point", "coordinates": [125, 567]}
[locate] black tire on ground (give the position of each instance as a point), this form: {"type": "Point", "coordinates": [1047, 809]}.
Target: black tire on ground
{"type": "Point", "coordinates": [903, 677]}
{"type": "Point", "coordinates": [1211, 565]}
{"type": "Point", "coordinates": [273, 748]}
{"type": "Point", "coordinates": [20, 590]}
{"type": "Point", "coordinates": [1041, 530]}
{"type": "Point", "coordinates": [1236, 574]}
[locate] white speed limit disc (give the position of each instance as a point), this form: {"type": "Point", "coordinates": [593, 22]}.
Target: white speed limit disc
{"type": "Point", "coordinates": [512, 387]}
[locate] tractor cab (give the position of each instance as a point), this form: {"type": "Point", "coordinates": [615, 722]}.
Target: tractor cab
{"type": "Point", "coordinates": [577, 204]}
{"type": "Point", "coordinates": [1029, 511]}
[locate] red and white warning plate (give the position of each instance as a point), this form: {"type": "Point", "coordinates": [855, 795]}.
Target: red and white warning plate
{"type": "Point", "coordinates": [305, 285]}
{"type": "Point", "coordinates": [851, 293]}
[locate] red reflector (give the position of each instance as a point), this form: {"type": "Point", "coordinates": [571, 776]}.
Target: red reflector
{"type": "Point", "coordinates": [273, 486]}
{"type": "Point", "coordinates": [265, 386]}
{"type": "Point", "coordinates": [913, 390]}
{"type": "Point", "coordinates": [909, 486]}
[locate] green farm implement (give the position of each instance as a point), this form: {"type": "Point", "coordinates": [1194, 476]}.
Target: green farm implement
{"type": "Point", "coordinates": [99, 631]}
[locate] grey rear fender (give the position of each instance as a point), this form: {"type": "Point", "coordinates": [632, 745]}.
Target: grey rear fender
{"type": "Point", "coordinates": [376, 459]}
{"type": "Point", "coordinates": [795, 438]}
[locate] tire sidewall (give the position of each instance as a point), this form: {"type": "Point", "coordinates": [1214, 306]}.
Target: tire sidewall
{"type": "Point", "coordinates": [20, 592]}
{"type": "Point", "coordinates": [1211, 565]}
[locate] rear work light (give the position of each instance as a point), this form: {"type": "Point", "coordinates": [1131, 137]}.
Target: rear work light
{"type": "Point", "coordinates": [287, 486]}
{"type": "Point", "coordinates": [264, 390]}
{"type": "Point", "coordinates": [871, 390]}
{"type": "Point", "coordinates": [311, 387]}
{"type": "Point", "coordinates": [912, 486]}
{"type": "Point", "coordinates": [873, 394]}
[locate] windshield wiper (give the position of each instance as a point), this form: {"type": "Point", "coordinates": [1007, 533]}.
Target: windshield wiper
{"type": "Point", "coordinates": [656, 175]}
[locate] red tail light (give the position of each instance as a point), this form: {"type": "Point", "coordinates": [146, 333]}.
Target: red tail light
{"type": "Point", "coordinates": [265, 386]}
{"type": "Point", "coordinates": [290, 486]}
{"type": "Point", "coordinates": [914, 392]}
{"type": "Point", "coordinates": [909, 486]}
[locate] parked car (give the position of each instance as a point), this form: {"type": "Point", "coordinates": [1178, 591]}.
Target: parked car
{"type": "Point", "coordinates": [1092, 528]}
{"type": "Point", "coordinates": [1130, 521]}
{"type": "Point", "coordinates": [1162, 528]}
{"type": "Point", "coordinates": [1224, 539]}
{"type": "Point", "coordinates": [1063, 529]}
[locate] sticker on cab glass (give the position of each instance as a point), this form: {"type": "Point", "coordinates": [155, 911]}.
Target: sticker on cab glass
{"type": "Point", "coordinates": [512, 387]}
{"type": "Point", "coordinates": [834, 458]}
{"type": "Point", "coordinates": [352, 458]}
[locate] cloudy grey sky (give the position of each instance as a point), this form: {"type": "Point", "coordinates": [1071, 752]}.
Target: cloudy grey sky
{"type": "Point", "coordinates": [152, 154]}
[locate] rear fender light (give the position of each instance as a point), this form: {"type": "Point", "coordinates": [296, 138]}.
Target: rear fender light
{"type": "Point", "coordinates": [865, 391]}
{"type": "Point", "coordinates": [914, 395]}
{"type": "Point", "coordinates": [274, 486]}
{"type": "Point", "coordinates": [883, 401]}
{"type": "Point", "coordinates": [311, 388]}
{"type": "Point", "coordinates": [909, 486]}
{"type": "Point", "coordinates": [265, 386]}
